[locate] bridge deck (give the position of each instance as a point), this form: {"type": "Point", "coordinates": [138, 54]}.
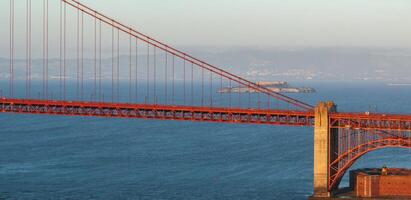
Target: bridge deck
{"type": "Point", "coordinates": [155, 111]}
{"type": "Point", "coordinates": [209, 114]}
{"type": "Point", "coordinates": [375, 121]}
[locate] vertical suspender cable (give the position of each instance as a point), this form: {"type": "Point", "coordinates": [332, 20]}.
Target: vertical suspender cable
{"type": "Point", "coordinates": [82, 58]}
{"type": "Point", "coordinates": [239, 95]}
{"type": "Point", "coordinates": [61, 51]}
{"type": "Point", "coordinates": [211, 89]}
{"type": "Point", "coordinates": [13, 51]}
{"type": "Point", "coordinates": [112, 63]}
{"type": "Point", "coordinates": [129, 72]}
{"type": "Point", "coordinates": [202, 86]}
{"type": "Point", "coordinates": [184, 80]}
{"type": "Point", "coordinates": [44, 50]}
{"type": "Point", "coordinates": [231, 90]}
{"type": "Point", "coordinates": [136, 70]}
{"type": "Point", "coordinates": [95, 59]}
{"type": "Point", "coordinates": [249, 96]}
{"type": "Point", "coordinates": [27, 49]}
{"type": "Point", "coordinates": [47, 49]}
{"type": "Point", "coordinates": [118, 65]}
{"type": "Point", "coordinates": [99, 65]}
{"type": "Point", "coordinates": [65, 49]}
{"type": "Point", "coordinates": [221, 87]}
{"type": "Point", "coordinates": [11, 48]}
{"type": "Point", "coordinates": [192, 84]}
{"type": "Point", "coordinates": [154, 75]}
{"type": "Point", "coordinates": [173, 92]}
{"type": "Point", "coordinates": [78, 55]}
{"type": "Point", "coordinates": [148, 72]}
{"type": "Point", "coordinates": [165, 78]}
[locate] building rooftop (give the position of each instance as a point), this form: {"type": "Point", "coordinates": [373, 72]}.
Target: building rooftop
{"type": "Point", "coordinates": [384, 171]}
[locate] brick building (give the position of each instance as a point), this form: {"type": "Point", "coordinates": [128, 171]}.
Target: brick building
{"type": "Point", "coordinates": [381, 182]}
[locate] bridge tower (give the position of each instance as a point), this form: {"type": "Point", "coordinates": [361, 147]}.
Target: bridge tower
{"type": "Point", "coordinates": [325, 143]}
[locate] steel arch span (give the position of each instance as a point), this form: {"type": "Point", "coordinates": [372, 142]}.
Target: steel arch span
{"type": "Point", "coordinates": [342, 138]}
{"type": "Point", "coordinates": [350, 154]}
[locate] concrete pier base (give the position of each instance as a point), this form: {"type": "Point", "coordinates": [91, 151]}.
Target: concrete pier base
{"type": "Point", "coordinates": [324, 143]}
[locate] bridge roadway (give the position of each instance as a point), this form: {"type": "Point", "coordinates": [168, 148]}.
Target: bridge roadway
{"type": "Point", "coordinates": [365, 121]}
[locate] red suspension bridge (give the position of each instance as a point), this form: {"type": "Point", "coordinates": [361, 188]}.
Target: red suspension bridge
{"type": "Point", "coordinates": [67, 59]}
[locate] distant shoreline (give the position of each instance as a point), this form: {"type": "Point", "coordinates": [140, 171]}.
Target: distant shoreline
{"type": "Point", "coordinates": [399, 84]}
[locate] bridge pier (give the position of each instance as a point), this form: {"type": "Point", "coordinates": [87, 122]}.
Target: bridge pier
{"type": "Point", "coordinates": [325, 143]}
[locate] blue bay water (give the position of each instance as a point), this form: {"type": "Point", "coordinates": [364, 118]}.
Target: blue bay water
{"type": "Point", "coordinates": [56, 157]}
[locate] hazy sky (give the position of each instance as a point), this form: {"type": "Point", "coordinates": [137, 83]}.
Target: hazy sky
{"type": "Point", "coordinates": [293, 23]}
{"type": "Point", "coordinates": [268, 22]}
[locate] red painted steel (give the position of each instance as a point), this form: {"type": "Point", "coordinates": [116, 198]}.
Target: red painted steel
{"type": "Point", "coordinates": [155, 111]}
{"type": "Point", "coordinates": [358, 133]}
{"type": "Point", "coordinates": [186, 57]}
{"type": "Point", "coordinates": [341, 166]}
{"type": "Point", "coordinates": [276, 117]}
{"type": "Point", "coordinates": [367, 121]}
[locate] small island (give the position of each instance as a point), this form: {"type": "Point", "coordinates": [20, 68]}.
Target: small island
{"type": "Point", "coordinates": [277, 86]}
